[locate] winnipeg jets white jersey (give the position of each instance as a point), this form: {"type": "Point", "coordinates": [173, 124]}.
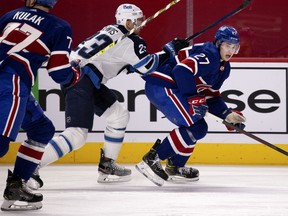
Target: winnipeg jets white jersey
{"type": "Point", "coordinates": [129, 51]}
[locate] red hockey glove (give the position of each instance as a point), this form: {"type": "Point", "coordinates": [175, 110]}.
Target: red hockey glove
{"type": "Point", "coordinates": [198, 105]}
{"type": "Point", "coordinates": [76, 72]}
{"type": "Point", "coordinates": [77, 76]}
{"type": "Point", "coordinates": [236, 118]}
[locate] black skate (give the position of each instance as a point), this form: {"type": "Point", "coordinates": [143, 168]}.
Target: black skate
{"type": "Point", "coordinates": [35, 182]}
{"type": "Point", "coordinates": [17, 191]}
{"type": "Point", "coordinates": [151, 167]}
{"type": "Point", "coordinates": [110, 172]}
{"type": "Point", "coordinates": [181, 174]}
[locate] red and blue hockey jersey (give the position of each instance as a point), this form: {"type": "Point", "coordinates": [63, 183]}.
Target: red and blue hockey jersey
{"type": "Point", "coordinates": [197, 69]}
{"type": "Point", "coordinates": [31, 39]}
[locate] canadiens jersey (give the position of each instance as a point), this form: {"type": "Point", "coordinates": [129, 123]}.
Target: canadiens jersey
{"type": "Point", "coordinates": [198, 71]}
{"type": "Point", "coordinates": [30, 39]}
{"type": "Point", "coordinates": [129, 51]}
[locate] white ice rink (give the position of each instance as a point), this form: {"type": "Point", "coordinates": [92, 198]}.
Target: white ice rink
{"type": "Point", "coordinates": [72, 190]}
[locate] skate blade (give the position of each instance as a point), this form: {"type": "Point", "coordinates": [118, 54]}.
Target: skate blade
{"type": "Point", "coordinates": [15, 205]}
{"type": "Point", "coordinates": [181, 180]}
{"type": "Point", "coordinates": [105, 178]}
{"type": "Point", "coordinates": [143, 168]}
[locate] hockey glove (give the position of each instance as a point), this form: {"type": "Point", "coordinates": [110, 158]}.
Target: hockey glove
{"type": "Point", "coordinates": [174, 46]}
{"type": "Point", "coordinates": [198, 105]}
{"type": "Point", "coordinates": [77, 75]}
{"type": "Point", "coordinates": [236, 118]}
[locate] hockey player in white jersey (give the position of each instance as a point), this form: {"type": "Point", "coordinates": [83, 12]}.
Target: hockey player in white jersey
{"type": "Point", "coordinates": [91, 96]}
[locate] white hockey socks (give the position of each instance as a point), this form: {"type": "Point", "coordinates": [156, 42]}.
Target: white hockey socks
{"type": "Point", "coordinates": [113, 142]}
{"type": "Point", "coordinates": [69, 140]}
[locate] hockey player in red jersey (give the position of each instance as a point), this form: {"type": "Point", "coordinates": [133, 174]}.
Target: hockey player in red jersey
{"type": "Point", "coordinates": [184, 89]}
{"type": "Point", "coordinates": [30, 38]}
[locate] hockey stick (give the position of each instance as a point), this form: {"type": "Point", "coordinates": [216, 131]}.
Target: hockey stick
{"type": "Point", "coordinates": [83, 63]}
{"type": "Point", "coordinates": [247, 134]}
{"type": "Point", "coordinates": [235, 11]}
{"type": "Point", "coordinates": [244, 4]}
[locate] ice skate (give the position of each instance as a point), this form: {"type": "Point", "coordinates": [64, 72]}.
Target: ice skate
{"type": "Point", "coordinates": [151, 167]}
{"type": "Point", "coordinates": [17, 196]}
{"type": "Point", "coordinates": [35, 182]}
{"type": "Point", "coordinates": [181, 174]}
{"type": "Point", "coordinates": [110, 172]}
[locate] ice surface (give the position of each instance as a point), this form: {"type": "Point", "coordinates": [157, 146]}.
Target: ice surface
{"type": "Point", "coordinates": [72, 190]}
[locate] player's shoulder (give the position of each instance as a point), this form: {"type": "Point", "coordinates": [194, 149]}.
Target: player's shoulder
{"type": "Point", "coordinates": [133, 37]}
{"type": "Point", "coordinates": [59, 22]}
{"type": "Point", "coordinates": [60, 26]}
{"type": "Point", "coordinates": [137, 39]}
{"type": "Point", "coordinates": [212, 52]}
{"type": "Point", "coordinates": [210, 49]}
{"type": "Point", "coordinates": [206, 52]}
{"type": "Point", "coordinates": [112, 31]}
{"type": "Point", "coordinates": [207, 48]}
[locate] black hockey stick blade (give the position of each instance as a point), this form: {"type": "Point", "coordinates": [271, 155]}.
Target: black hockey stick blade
{"type": "Point", "coordinates": [248, 134]}
{"type": "Point", "coordinates": [244, 4]}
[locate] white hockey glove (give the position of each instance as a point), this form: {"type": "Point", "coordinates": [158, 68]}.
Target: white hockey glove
{"type": "Point", "coordinates": [236, 118]}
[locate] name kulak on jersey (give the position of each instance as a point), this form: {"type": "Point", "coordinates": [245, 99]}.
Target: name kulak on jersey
{"type": "Point", "coordinates": [29, 17]}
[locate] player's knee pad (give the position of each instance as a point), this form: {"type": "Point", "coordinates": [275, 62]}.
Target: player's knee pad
{"type": "Point", "coordinates": [116, 116]}
{"type": "Point", "coordinates": [199, 129]}
{"type": "Point", "coordinates": [71, 139]}
{"type": "Point", "coordinates": [40, 130]}
{"type": "Point", "coordinates": [4, 145]}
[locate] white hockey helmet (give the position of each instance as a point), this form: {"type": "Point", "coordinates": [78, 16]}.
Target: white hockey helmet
{"type": "Point", "coordinates": [128, 11]}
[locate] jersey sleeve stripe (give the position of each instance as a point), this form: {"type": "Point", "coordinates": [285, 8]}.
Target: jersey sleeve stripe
{"type": "Point", "coordinates": [162, 76]}
{"type": "Point", "coordinates": [61, 67]}
{"type": "Point", "coordinates": [182, 54]}
{"type": "Point", "coordinates": [192, 64]}
{"type": "Point", "coordinates": [144, 61]}
{"type": "Point", "coordinates": [58, 60]}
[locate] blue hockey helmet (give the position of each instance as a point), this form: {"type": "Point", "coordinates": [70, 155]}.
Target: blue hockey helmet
{"type": "Point", "coordinates": [227, 34]}
{"type": "Point", "coordinates": [47, 3]}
